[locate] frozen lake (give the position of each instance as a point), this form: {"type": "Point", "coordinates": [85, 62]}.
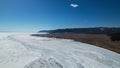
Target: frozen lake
{"type": "Point", "coordinates": [20, 50]}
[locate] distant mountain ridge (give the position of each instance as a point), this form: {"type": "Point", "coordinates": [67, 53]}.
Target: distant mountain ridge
{"type": "Point", "coordinates": [97, 30]}
{"type": "Point", "coordinates": [45, 31]}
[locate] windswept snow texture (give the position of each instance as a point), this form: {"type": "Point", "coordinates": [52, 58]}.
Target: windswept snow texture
{"type": "Point", "coordinates": [25, 51]}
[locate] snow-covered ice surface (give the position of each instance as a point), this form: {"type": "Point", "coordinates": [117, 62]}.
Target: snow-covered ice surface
{"type": "Point", "coordinates": [19, 50]}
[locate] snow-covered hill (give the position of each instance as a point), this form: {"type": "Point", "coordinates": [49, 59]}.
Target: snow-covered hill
{"type": "Point", "coordinates": [19, 50]}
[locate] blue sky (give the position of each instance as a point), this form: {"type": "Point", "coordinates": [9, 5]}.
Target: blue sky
{"type": "Point", "coordinates": [35, 15]}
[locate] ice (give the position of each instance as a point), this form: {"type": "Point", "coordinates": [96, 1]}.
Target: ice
{"type": "Point", "coordinates": [42, 63]}
{"type": "Point", "coordinates": [20, 50]}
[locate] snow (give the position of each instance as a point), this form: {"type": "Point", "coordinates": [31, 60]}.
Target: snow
{"type": "Point", "coordinates": [20, 50]}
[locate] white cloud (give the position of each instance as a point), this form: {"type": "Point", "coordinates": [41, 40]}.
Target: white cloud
{"type": "Point", "coordinates": [74, 5]}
